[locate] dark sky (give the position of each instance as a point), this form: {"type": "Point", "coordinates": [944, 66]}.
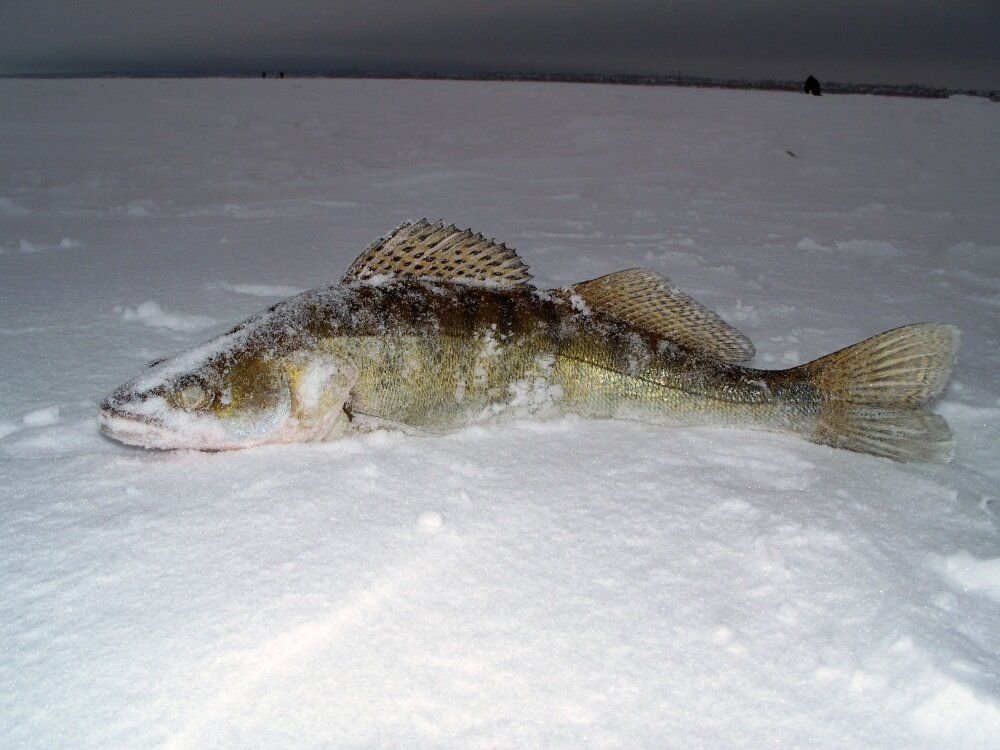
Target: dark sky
{"type": "Point", "coordinates": [889, 41]}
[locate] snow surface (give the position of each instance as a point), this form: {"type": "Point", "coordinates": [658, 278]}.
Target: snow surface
{"type": "Point", "coordinates": [560, 584]}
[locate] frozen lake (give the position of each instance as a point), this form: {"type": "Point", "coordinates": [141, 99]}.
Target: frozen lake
{"type": "Point", "coordinates": [568, 583]}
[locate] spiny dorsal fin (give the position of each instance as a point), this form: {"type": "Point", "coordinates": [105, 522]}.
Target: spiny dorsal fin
{"type": "Point", "coordinates": [650, 302]}
{"type": "Point", "coordinates": [434, 252]}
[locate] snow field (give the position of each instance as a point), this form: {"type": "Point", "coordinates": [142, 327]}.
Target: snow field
{"type": "Point", "coordinates": [564, 583]}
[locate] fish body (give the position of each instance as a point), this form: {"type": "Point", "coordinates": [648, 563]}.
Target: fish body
{"type": "Point", "coordinates": [434, 328]}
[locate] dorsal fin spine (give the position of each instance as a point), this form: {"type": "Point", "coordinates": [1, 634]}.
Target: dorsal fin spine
{"type": "Point", "coordinates": [421, 250]}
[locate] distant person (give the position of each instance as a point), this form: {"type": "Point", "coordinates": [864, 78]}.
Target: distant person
{"type": "Point", "coordinates": [812, 86]}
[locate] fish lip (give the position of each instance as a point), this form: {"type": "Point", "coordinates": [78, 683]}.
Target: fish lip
{"type": "Point", "coordinates": [114, 410]}
{"type": "Point", "coordinates": [111, 408]}
{"type": "Point", "coordinates": [131, 429]}
{"type": "Point", "coordinates": [142, 430]}
{"type": "Point", "coordinates": [120, 423]}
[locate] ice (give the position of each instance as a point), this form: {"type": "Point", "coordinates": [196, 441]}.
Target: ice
{"type": "Point", "coordinates": [560, 583]}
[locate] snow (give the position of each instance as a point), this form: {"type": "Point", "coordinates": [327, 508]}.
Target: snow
{"type": "Point", "coordinates": [153, 315]}
{"type": "Point", "coordinates": [560, 583]}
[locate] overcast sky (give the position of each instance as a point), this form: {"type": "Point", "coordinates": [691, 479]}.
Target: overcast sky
{"type": "Point", "coordinates": [879, 41]}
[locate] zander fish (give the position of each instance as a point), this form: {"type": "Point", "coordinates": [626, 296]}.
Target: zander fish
{"type": "Point", "coordinates": [433, 328]}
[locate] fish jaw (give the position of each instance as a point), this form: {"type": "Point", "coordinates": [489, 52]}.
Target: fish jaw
{"type": "Point", "coordinates": [204, 435]}
{"type": "Point", "coordinates": [147, 422]}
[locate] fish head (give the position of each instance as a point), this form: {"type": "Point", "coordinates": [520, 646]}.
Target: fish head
{"type": "Point", "coordinates": [222, 401]}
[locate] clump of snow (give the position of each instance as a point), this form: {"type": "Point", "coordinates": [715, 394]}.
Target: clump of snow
{"type": "Point", "coordinates": [41, 417]}
{"type": "Point", "coordinates": [859, 247]}
{"type": "Point", "coordinates": [151, 314]}
{"type": "Point", "coordinates": [66, 243]}
{"type": "Point", "coordinates": [740, 313]}
{"type": "Point", "coordinates": [808, 243]}
{"type": "Point", "coordinates": [579, 304]}
{"type": "Point", "coordinates": [260, 290]}
{"type": "Point", "coordinates": [533, 394]}
{"type": "Point", "coordinates": [430, 520]}
{"type": "Point", "coordinates": [10, 208]}
{"type": "Point", "coordinates": [139, 209]}
{"type": "Point", "coordinates": [560, 583]}
{"type": "Point", "coordinates": [869, 247]}
{"type": "Point", "coordinates": [973, 573]}
{"type": "Point", "coordinates": [312, 382]}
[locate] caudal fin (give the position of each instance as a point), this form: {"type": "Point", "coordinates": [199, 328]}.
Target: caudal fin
{"type": "Point", "coordinates": [874, 392]}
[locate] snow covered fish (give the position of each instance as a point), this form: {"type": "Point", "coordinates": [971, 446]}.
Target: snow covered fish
{"type": "Point", "coordinates": [433, 328]}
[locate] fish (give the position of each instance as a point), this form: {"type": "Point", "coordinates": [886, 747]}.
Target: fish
{"type": "Point", "coordinates": [434, 328]}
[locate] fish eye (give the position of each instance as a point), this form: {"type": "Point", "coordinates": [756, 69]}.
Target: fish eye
{"type": "Point", "coordinates": [194, 396]}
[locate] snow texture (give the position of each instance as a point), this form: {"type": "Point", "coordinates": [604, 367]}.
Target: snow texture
{"type": "Point", "coordinates": [559, 583]}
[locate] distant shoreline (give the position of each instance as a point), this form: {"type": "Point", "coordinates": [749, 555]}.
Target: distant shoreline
{"type": "Point", "coordinates": [686, 81]}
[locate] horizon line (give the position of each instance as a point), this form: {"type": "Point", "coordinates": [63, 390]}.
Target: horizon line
{"type": "Point", "coordinates": [684, 80]}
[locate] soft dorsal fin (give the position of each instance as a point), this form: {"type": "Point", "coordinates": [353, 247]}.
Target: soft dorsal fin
{"type": "Point", "coordinates": [650, 302]}
{"type": "Point", "coordinates": [421, 250]}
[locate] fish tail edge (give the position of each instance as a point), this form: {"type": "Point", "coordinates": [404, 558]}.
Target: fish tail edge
{"type": "Point", "coordinates": [873, 394]}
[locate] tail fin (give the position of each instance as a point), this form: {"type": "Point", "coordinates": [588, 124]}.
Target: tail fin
{"type": "Point", "coordinates": [873, 393]}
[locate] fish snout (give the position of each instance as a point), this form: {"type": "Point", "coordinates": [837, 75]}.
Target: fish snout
{"type": "Point", "coordinates": [125, 403]}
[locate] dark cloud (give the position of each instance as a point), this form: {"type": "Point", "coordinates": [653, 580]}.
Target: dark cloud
{"type": "Point", "coordinates": [892, 41]}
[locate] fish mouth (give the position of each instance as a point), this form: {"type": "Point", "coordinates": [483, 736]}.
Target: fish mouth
{"type": "Point", "coordinates": [135, 429]}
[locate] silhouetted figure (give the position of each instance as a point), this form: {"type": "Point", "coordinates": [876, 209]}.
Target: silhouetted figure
{"type": "Point", "coordinates": [263, 74]}
{"type": "Point", "coordinates": [281, 74]}
{"type": "Point", "coordinates": [812, 86]}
